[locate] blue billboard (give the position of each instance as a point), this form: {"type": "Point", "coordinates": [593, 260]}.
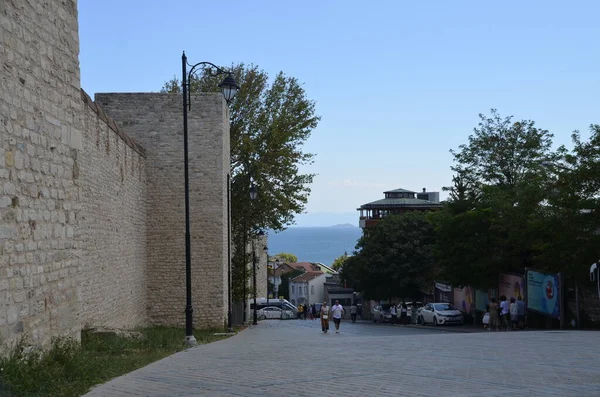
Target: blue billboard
{"type": "Point", "coordinates": [543, 293]}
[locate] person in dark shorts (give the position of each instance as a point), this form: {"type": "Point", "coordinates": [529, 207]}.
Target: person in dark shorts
{"type": "Point", "coordinates": [337, 312]}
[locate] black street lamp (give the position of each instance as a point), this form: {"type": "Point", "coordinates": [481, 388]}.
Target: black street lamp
{"type": "Point", "coordinates": [254, 196]}
{"type": "Point", "coordinates": [229, 88]}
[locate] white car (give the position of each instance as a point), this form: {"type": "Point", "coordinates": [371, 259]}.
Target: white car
{"type": "Point", "coordinates": [273, 312]}
{"type": "Point", "coordinates": [440, 313]}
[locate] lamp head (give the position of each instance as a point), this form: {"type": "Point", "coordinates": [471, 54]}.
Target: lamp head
{"type": "Point", "coordinates": [253, 191]}
{"type": "Point", "coordinates": [229, 87]}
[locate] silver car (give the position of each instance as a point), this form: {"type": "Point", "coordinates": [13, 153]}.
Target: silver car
{"type": "Point", "coordinates": [382, 313]}
{"type": "Point", "coordinates": [440, 313]}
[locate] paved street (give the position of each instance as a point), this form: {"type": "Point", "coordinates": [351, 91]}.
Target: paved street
{"type": "Point", "coordinates": [293, 358]}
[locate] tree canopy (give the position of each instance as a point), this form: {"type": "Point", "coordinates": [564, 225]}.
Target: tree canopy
{"type": "Point", "coordinates": [395, 259]}
{"type": "Point", "coordinates": [339, 262]}
{"type": "Point", "coordinates": [286, 257]}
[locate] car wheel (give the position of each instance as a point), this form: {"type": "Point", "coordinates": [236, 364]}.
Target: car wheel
{"type": "Point", "coordinates": [435, 321]}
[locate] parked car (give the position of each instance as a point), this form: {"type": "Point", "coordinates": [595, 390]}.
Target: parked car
{"type": "Point", "coordinates": [273, 312]}
{"type": "Point", "coordinates": [381, 313]}
{"type": "Point", "coordinates": [440, 313]}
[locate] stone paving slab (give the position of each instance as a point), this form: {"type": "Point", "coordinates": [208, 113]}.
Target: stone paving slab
{"type": "Point", "coordinates": [293, 358]}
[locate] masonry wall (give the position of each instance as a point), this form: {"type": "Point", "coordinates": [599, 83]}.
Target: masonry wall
{"type": "Point", "coordinates": [155, 121]}
{"type": "Point", "coordinates": [110, 172]}
{"type": "Point", "coordinates": [40, 130]}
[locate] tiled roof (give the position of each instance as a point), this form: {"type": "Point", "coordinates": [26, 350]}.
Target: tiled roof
{"type": "Point", "coordinates": [305, 277]}
{"type": "Point", "coordinates": [306, 266]}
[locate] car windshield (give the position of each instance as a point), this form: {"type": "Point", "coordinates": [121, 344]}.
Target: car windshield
{"type": "Point", "coordinates": [444, 306]}
{"type": "Point", "coordinates": [385, 307]}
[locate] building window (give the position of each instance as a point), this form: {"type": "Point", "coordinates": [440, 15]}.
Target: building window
{"type": "Point", "coordinates": [293, 289]}
{"type": "Point", "coordinates": [306, 289]}
{"type": "Point", "coordinates": [312, 289]}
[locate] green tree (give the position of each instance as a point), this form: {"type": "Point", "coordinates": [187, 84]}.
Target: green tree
{"type": "Point", "coordinates": [286, 257]}
{"type": "Point", "coordinates": [490, 223]}
{"type": "Point", "coordinates": [571, 217]}
{"type": "Point", "coordinates": [338, 262]}
{"type": "Point", "coordinates": [269, 123]}
{"type": "Point", "coordinates": [395, 259]}
{"type": "Point", "coordinates": [284, 287]}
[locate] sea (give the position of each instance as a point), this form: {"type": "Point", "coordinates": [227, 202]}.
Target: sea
{"type": "Point", "coordinates": [315, 244]}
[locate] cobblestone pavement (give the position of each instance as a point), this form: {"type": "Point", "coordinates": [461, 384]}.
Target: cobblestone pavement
{"type": "Point", "coordinates": [293, 358]}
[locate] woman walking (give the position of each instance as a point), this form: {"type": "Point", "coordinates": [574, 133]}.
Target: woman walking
{"type": "Point", "coordinates": [324, 318]}
{"type": "Point", "coordinates": [403, 314]}
{"type": "Point", "coordinates": [493, 311]}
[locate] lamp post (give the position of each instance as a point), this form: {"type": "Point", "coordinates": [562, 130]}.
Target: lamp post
{"type": "Point", "coordinates": [254, 263]}
{"type": "Point", "coordinates": [266, 249]}
{"type": "Point", "coordinates": [229, 88]}
{"type": "Point", "coordinates": [254, 196]}
{"type": "Point", "coordinates": [276, 286]}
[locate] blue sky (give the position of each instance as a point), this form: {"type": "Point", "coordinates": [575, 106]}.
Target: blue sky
{"type": "Point", "coordinates": [397, 83]}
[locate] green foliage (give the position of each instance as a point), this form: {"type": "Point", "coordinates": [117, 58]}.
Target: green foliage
{"type": "Point", "coordinates": [491, 222]}
{"type": "Point", "coordinates": [70, 368]}
{"type": "Point", "coordinates": [395, 259]}
{"type": "Point", "coordinates": [502, 152]}
{"type": "Point", "coordinates": [284, 287]}
{"type": "Point", "coordinates": [570, 241]}
{"type": "Point", "coordinates": [286, 257]}
{"type": "Point", "coordinates": [339, 262]}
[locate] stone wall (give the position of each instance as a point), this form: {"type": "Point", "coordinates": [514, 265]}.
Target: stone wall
{"type": "Point", "coordinates": [110, 172]}
{"type": "Point", "coordinates": [40, 129]}
{"type": "Point", "coordinates": [155, 120]}
{"type": "Point", "coordinates": [72, 188]}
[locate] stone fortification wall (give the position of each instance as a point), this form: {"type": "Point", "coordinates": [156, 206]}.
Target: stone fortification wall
{"type": "Point", "coordinates": [72, 205]}
{"type": "Point", "coordinates": [155, 121]}
{"type": "Point", "coordinates": [40, 129]}
{"type": "Point", "coordinates": [110, 172]}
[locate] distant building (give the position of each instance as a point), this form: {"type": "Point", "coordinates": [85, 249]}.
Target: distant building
{"type": "Point", "coordinates": [397, 201]}
{"type": "Point", "coordinates": [308, 288]}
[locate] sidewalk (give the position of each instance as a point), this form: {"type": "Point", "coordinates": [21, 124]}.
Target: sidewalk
{"type": "Point", "coordinates": [465, 329]}
{"type": "Point", "coordinates": [272, 360]}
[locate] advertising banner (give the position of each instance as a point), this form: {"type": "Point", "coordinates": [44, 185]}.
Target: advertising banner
{"type": "Point", "coordinates": [463, 299]}
{"type": "Point", "coordinates": [543, 293]}
{"type": "Point", "coordinates": [481, 300]}
{"type": "Point", "coordinates": [442, 293]}
{"type": "Point", "coordinates": [511, 286]}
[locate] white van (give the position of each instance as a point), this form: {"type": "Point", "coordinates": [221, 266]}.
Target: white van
{"type": "Point", "coordinates": [281, 303]}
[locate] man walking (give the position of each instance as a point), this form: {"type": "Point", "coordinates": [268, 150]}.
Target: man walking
{"type": "Point", "coordinates": [353, 310]}
{"type": "Point", "coordinates": [337, 311]}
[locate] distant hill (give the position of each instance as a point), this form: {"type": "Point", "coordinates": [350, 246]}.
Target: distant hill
{"type": "Point", "coordinates": [344, 225]}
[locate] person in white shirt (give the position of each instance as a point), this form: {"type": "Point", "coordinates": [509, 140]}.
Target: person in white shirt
{"type": "Point", "coordinates": [324, 318]}
{"type": "Point", "coordinates": [337, 311]}
{"type": "Point", "coordinates": [394, 313]}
